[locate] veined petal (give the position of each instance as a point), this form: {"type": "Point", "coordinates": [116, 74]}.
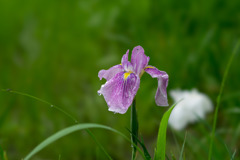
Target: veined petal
{"type": "Point", "coordinates": [161, 94]}
{"type": "Point", "coordinates": [120, 91]}
{"type": "Point", "coordinates": [125, 63]}
{"type": "Point", "coordinates": [125, 58]}
{"type": "Point", "coordinates": [138, 59]}
{"type": "Point", "coordinates": [111, 72]}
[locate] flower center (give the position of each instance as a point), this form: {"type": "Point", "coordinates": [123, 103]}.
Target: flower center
{"type": "Point", "coordinates": [126, 75]}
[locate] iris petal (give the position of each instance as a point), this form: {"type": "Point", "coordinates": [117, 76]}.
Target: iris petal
{"type": "Point", "coordinates": [138, 59]}
{"type": "Point", "coordinates": [125, 63]}
{"type": "Point", "coordinates": [125, 58]}
{"type": "Point", "coordinates": [120, 91]}
{"type": "Point", "coordinates": [162, 77]}
{"type": "Point", "coordinates": [111, 72]}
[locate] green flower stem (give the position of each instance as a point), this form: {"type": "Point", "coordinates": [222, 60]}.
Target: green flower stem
{"type": "Point", "coordinates": [134, 128]}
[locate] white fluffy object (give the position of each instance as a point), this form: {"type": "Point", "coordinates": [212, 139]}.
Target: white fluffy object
{"type": "Point", "coordinates": [194, 106]}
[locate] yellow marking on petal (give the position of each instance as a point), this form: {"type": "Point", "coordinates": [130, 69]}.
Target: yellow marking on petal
{"type": "Point", "coordinates": [149, 67]}
{"type": "Point", "coordinates": [126, 75]}
{"type": "Point", "coordinates": [120, 64]}
{"type": "Point", "coordinates": [144, 71]}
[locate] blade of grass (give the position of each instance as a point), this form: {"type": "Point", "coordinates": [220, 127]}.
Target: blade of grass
{"type": "Point", "coordinates": [173, 157]}
{"type": "Point", "coordinates": [98, 143]}
{"type": "Point", "coordinates": [233, 155]}
{"type": "Point", "coordinates": [219, 99]}
{"type": "Point", "coordinates": [167, 158]}
{"type": "Point", "coordinates": [206, 128]}
{"type": "Point", "coordinates": [175, 140]}
{"type": "Point", "coordinates": [161, 140]}
{"type": "Point", "coordinates": [181, 154]}
{"type": "Point", "coordinates": [192, 142]}
{"type": "Point", "coordinates": [3, 154]}
{"type": "Point", "coordinates": [43, 101]}
{"type": "Point", "coordinates": [236, 136]}
{"type": "Point", "coordinates": [147, 155]}
{"type": "Point", "coordinates": [61, 110]}
{"type": "Point", "coordinates": [4, 114]}
{"type": "Point", "coordinates": [145, 151]}
{"type": "Point", "coordinates": [72, 129]}
{"type": "Point", "coordinates": [134, 128]}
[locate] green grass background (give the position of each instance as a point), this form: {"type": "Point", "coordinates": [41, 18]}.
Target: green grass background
{"type": "Point", "coordinates": [54, 49]}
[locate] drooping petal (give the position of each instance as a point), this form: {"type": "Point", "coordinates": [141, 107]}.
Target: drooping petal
{"type": "Point", "coordinates": [111, 72]}
{"type": "Point", "coordinates": [125, 63]}
{"type": "Point", "coordinates": [138, 59]}
{"type": "Point", "coordinates": [120, 91]}
{"type": "Point", "coordinates": [162, 77]}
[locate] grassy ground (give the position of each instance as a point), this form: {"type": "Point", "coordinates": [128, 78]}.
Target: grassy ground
{"type": "Point", "coordinates": [54, 49]}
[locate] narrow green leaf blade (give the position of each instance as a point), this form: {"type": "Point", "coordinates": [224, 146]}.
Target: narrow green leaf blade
{"type": "Point", "coordinates": [173, 156]}
{"type": "Point", "coordinates": [181, 154]}
{"type": "Point", "coordinates": [233, 155]}
{"type": "Point", "coordinates": [72, 129]}
{"type": "Point", "coordinates": [99, 144]}
{"type": "Point", "coordinates": [161, 141]}
{"type": "Point", "coordinates": [1, 153]}
{"type": "Point", "coordinates": [219, 99]}
{"type": "Point", "coordinates": [145, 151]}
{"type": "Point", "coordinates": [147, 155]}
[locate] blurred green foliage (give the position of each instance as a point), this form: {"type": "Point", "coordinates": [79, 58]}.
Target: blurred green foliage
{"type": "Point", "coordinates": [54, 49]}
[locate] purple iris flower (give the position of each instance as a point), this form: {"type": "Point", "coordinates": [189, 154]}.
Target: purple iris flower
{"type": "Point", "coordinates": [123, 81]}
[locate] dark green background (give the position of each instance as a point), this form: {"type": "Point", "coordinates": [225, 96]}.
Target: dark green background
{"type": "Point", "coordinates": [54, 49]}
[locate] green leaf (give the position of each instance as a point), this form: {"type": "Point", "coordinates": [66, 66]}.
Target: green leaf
{"type": "Point", "coordinates": [219, 99]}
{"type": "Point", "coordinates": [98, 143]}
{"type": "Point", "coordinates": [59, 109]}
{"type": "Point", "coordinates": [233, 155]}
{"type": "Point", "coordinates": [41, 100]}
{"type": "Point", "coordinates": [1, 153]}
{"type": "Point", "coordinates": [147, 155]}
{"type": "Point", "coordinates": [59, 157]}
{"type": "Point", "coordinates": [161, 141]}
{"type": "Point", "coordinates": [181, 154]}
{"type": "Point", "coordinates": [145, 151]}
{"type": "Point", "coordinates": [72, 129]}
{"type": "Point", "coordinates": [173, 157]}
